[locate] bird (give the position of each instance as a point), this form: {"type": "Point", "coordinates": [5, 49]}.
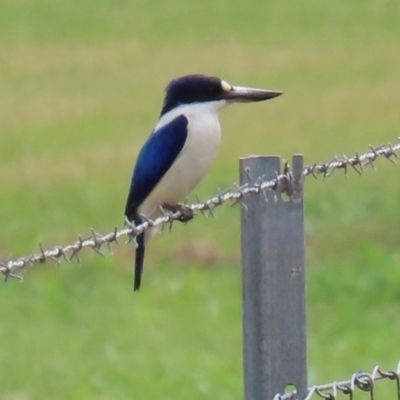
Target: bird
{"type": "Point", "coordinates": [180, 150]}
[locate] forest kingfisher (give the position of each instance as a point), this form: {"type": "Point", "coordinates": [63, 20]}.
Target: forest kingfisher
{"type": "Point", "coordinates": [180, 150]}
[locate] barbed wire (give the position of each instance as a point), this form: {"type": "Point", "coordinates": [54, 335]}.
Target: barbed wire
{"type": "Point", "coordinates": [360, 380]}
{"type": "Point", "coordinates": [285, 183]}
{"type": "Point", "coordinates": [357, 162]}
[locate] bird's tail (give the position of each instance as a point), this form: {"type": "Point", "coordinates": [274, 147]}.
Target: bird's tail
{"type": "Point", "coordinates": [139, 261]}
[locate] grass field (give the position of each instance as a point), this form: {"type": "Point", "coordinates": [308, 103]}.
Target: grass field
{"type": "Point", "coordinates": [81, 86]}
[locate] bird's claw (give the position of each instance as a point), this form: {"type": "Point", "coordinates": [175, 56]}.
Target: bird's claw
{"type": "Point", "coordinates": [186, 212]}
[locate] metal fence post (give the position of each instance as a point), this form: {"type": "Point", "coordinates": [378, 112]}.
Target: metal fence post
{"type": "Point", "coordinates": [274, 311]}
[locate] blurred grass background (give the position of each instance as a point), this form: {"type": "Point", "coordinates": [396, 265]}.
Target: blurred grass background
{"type": "Point", "coordinates": [81, 86]}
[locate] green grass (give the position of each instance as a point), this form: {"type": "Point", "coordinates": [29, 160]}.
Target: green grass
{"type": "Point", "coordinates": [81, 84]}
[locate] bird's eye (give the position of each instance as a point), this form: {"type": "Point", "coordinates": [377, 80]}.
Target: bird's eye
{"type": "Point", "coordinates": [213, 90]}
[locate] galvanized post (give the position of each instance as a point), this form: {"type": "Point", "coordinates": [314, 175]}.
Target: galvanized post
{"type": "Point", "coordinates": [274, 306]}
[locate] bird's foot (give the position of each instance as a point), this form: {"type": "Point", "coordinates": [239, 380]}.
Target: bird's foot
{"type": "Point", "coordinates": [186, 212]}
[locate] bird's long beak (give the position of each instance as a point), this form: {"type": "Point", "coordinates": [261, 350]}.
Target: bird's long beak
{"type": "Point", "coordinates": [241, 94]}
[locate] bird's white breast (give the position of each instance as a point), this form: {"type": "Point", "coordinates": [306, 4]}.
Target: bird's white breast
{"type": "Point", "coordinates": [194, 160]}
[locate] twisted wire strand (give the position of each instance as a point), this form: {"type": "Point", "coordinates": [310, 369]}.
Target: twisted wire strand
{"type": "Point", "coordinates": [285, 183]}
{"type": "Point", "coordinates": [359, 381]}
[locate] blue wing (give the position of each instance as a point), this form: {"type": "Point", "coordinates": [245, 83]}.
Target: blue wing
{"type": "Point", "coordinates": [154, 160]}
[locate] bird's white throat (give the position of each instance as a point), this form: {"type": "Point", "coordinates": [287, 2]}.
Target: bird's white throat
{"type": "Point", "coordinates": [197, 110]}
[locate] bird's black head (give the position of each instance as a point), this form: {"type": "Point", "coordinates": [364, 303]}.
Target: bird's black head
{"type": "Point", "coordinates": [192, 89]}
{"type": "Point", "coordinates": [198, 88]}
